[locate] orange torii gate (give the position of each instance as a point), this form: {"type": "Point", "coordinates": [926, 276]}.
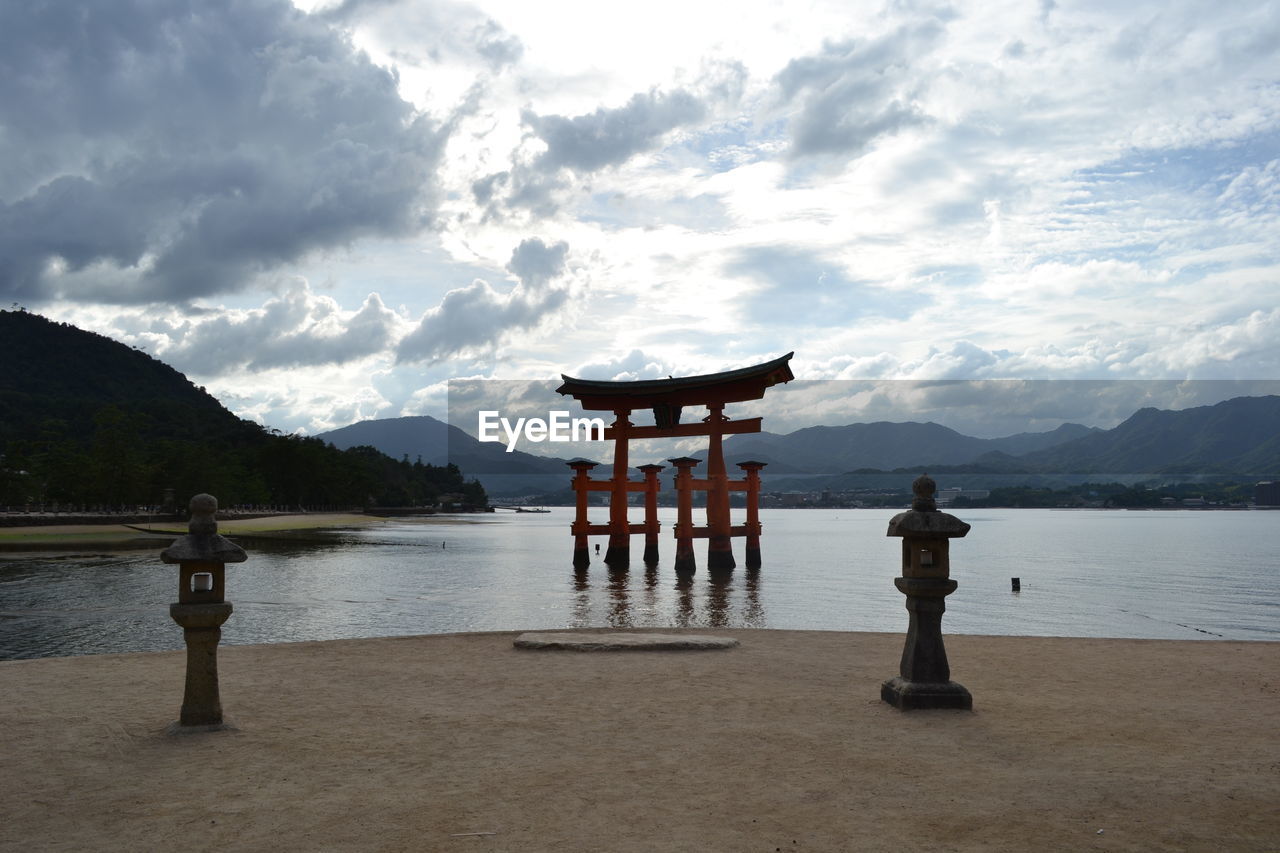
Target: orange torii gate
{"type": "Point", "coordinates": [667, 398]}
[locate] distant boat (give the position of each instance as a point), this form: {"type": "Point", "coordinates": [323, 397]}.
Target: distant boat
{"type": "Point", "coordinates": [531, 509]}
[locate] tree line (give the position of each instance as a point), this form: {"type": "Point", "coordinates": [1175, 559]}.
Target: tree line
{"type": "Point", "coordinates": [119, 458]}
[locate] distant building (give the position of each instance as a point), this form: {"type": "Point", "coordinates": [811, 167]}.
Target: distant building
{"type": "Point", "coordinates": [946, 497]}
{"type": "Point", "coordinates": [1267, 493]}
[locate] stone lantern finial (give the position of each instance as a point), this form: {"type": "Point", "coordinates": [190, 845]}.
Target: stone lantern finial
{"type": "Point", "coordinates": [203, 510]}
{"type": "Point", "coordinates": [202, 542]}
{"type": "Point", "coordinates": [923, 488]}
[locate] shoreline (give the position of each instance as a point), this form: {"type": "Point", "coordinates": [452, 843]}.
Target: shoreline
{"type": "Point", "coordinates": [461, 741]}
{"type": "Point", "coordinates": [118, 536]}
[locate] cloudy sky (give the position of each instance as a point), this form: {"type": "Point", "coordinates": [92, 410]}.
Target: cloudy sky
{"type": "Point", "coordinates": [323, 211]}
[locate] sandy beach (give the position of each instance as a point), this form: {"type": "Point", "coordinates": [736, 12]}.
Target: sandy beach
{"type": "Point", "coordinates": [462, 742]}
{"type": "Point", "coordinates": [115, 537]}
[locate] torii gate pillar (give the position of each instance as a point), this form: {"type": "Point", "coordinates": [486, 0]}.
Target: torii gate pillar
{"type": "Point", "coordinates": [619, 550]}
{"type": "Point", "coordinates": [651, 511]}
{"type": "Point", "coordinates": [753, 512]}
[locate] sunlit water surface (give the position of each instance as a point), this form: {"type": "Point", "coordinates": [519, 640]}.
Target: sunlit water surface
{"type": "Point", "coordinates": [1085, 573]}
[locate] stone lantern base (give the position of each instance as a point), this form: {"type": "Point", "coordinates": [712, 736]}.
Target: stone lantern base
{"type": "Point", "coordinates": [201, 629]}
{"type": "Point", "coordinates": [917, 695]}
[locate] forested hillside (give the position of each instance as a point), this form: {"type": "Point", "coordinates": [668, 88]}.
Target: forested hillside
{"type": "Point", "coordinates": [88, 421]}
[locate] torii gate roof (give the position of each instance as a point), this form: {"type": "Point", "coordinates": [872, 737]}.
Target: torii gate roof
{"type": "Point", "coordinates": [732, 386]}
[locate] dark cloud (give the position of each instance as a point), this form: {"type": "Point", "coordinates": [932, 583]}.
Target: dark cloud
{"type": "Point", "coordinates": [594, 141]}
{"type": "Point", "coordinates": [496, 45]}
{"type": "Point", "coordinates": [854, 92]}
{"type": "Point", "coordinates": [171, 150]}
{"type": "Point", "coordinates": [484, 188]}
{"type": "Point", "coordinates": [532, 191]}
{"type": "Point", "coordinates": [479, 316]}
{"type": "Point", "coordinates": [585, 144]}
{"type": "Point", "coordinates": [535, 263]}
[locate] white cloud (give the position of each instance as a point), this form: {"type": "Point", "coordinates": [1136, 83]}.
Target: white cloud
{"type": "Point", "coordinates": [978, 190]}
{"type": "Point", "coordinates": [854, 92]}
{"type": "Point", "coordinates": [297, 329]}
{"type": "Point", "coordinates": [479, 317]}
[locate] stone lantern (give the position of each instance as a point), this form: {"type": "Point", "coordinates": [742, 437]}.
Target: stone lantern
{"type": "Point", "coordinates": [201, 608]}
{"type": "Point", "coordinates": [925, 677]}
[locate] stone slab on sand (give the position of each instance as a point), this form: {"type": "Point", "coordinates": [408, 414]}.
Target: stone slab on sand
{"type": "Point", "coordinates": [425, 743]}
{"type": "Point", "coordinates": [621, 642]}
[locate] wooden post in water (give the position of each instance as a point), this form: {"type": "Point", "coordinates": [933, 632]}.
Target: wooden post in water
{"type": "Point", "coordinates": [582, 489]}
{"type": "Point", "coordinates": [651, 511]}
{"type": "Point", "coordinates": [719, 542]}
{"type": "Point", "coordinates": [753, 512]}
{"type": "Point", "coordinates": [618, 553]}
{"type": "Point", "coordinates": [686, 563]}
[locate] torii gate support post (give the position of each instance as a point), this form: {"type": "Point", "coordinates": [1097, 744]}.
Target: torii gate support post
{"type": "Point", "coordinates": [581, 486]}
{"type": "Point", "coordinates": [651, 511]}
{"type": "Point", "coordinates": [719, 536]}
{"type": "Point", "coordinates": [686, 563]}
{"type": "Point", "coordinates": [619, 551]}
{"type": "Point", "coordinates": [753, 512]}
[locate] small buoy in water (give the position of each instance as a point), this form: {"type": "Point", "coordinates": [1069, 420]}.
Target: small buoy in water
{"type": "Point", "coordinates": [1017, 584]}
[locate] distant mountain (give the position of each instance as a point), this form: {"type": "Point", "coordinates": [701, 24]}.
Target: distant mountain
{"type": "Point", "coordinates": [1236, 436]}
{"type": "Point", "coordinates": [1240, 435]}
{"type": "Point", "coordinates": [1029, 442]}
{"type": "Point", "coordinates": [439, 443]}
{"type": "Point", "coordinates": [885, 446]}
{"type": "Point", "coordinates": [414, 437]}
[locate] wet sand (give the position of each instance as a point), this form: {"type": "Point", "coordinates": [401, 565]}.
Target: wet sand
{"type": "Point", "coordinates": [462, 742]}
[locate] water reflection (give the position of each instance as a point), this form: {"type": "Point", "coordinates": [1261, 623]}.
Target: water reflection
{"type": "Point", "coordinates": [684, 601]}
{"type": "Point", "coordinates": [753, 611]}
{"type": "Point", "coordinates": [620, 598]}
{"type": "Point", "coordinates": [619, 608]}
{"type": "Point", "coordinates": [718, 599]}
{"type": "Point", "coordinates": [650, 588]}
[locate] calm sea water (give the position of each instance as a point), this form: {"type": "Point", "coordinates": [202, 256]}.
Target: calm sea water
{"type": "Point", "coordinates": [1146, 574]}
